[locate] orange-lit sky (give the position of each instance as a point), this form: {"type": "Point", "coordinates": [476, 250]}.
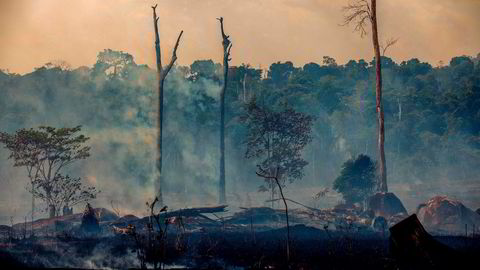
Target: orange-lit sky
{"type": "Point", "coordinates": [33, 32]}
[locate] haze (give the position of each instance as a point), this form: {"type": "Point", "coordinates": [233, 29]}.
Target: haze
{"type": "Point", "coordinates": [35, 32]}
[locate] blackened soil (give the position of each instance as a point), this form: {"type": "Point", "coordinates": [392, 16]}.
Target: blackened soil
{"type": "Point", "coordinates": [310, 249]}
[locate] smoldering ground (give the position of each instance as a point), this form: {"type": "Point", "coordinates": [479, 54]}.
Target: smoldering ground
{"type": "Point", "coordinates": [118, 112]}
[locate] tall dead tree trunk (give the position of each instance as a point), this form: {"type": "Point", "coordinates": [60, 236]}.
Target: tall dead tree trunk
{"type": "Point", "coordinates": [360, 12]}
{"type": "Point", "coordinates": [161, 75]}
{"type": "Point", "coordinates": [382, 167]}
{"type": "Point", "coordinates": [227, 45]}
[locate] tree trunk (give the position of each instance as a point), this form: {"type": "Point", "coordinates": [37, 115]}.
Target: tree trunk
{"type": "Point", "coordinates": [382, 168]}
{"type": "Point", "coordinates": [399, 110]}
{"type": "Point", "coordinates": [286, 216]}
{"type": "Point", "coordinates": [226, 54]}
{"type": "Point", "coordinates": [272, 192]}
{"type": "Point", "coordinates": [161, 75]}
{"type": "Point", "coordinates": [221, 188]}
{"type": "Point", "coordinates": [33, 211]}
{"type": "Point", "coordinates": [159, 162]}
{"type": "Point", "coordinates": [244, 88]}
{"type": "Point", "coordinates": [52, 211]}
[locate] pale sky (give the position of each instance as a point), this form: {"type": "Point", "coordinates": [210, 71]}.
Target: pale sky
{"type": "Point", "coordinates": [34, 32]}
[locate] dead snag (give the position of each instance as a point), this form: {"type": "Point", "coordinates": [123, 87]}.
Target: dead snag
{"type": "Point", "coordinates": [227, 46]}
{"type": "Point", "coordinates": [359, 13]}
{"type": "Point", "coordinates": [162, 73]}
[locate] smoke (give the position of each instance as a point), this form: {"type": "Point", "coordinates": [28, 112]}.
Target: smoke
{"type": "Point", "coordinates": [119, 113]}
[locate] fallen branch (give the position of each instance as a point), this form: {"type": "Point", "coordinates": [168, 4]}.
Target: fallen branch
{"type": "Point", "coordinates": [197, 211]}
{"type": "Point", "coordinates": [308, 207]}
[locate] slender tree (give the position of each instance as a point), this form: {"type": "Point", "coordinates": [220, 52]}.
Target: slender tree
{"type": "Point", "coordinates": [277, 140]}
{"type": "Point", "coordinates": [359, 12]}
{"type": "Point", "coordinates": [162, 73]}
{"type": "Point", "coordinates": [227, 46]}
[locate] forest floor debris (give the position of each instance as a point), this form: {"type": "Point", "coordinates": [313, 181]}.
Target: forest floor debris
{"type": "Point", "coordinates": [250, 238]}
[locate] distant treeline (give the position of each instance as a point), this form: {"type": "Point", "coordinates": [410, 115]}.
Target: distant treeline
{"type": "Point", "coordinates": [432, 116]}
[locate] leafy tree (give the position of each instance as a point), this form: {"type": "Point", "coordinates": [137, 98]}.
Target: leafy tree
{"type": "Point", "coordinates": [245, 77]}
{"type": "Point", "coordinates": [64, 192]}
{"type": "Point", "coordinates": [312, 70]}
{"type": "Point", "coordinates": [117, 60]}
{"type": "Point", "coordinates": [276, 140]}
{"type": "Point", "coordinates": [356, 180]}
{"type": "Point", "coordinates": [462, 66]}
{"type": "Point", "coordinates": [203, 69]}
{"type": "Point", "coordinates": [280, 72]}
{"type": "Point", "coordinates": [329, 61]}
{"type": "Point", "coordinates": [44, 152]}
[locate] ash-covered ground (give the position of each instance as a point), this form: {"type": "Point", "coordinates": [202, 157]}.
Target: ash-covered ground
{"type": "Point", "coordinates": [252, 238]}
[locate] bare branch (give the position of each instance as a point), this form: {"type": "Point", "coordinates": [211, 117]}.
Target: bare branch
{"type": "Point", "coordinates": [357, 12]}
{"type": "Point", "coordinates": [228, 52]}
{"type": "Point", "coordinates": [155, 217]}
{"type": "Point", "coordinates": [174, 56]}
{"type": "Point", "coordinates": [389, 43]}
{"type": "Point", "coordinates": [117, 211]}
{"type": "Point", "coordinates": [157, 41]}
{"type": "Point", "coordinates": [264, 175]}
{"type": "Point", "coordinates": [227, 44]}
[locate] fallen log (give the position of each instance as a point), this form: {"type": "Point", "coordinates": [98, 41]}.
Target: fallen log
{"type": "Point", "coordinates": [256, 215]}
{"type": "Point", "coordinates": [195, 212]}
{"type": "Point", "coordinates": [295, 202]}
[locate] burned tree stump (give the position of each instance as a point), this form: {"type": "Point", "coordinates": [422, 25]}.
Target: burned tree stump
{"type": "Point", "coordinates": [385, 204]}
{"type": "Point", "coordinates": [414, 247]}
{"type": "Point", "coordinates": [89, 220]}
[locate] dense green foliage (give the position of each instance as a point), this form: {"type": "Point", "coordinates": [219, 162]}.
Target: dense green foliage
{"type": "Point", "coordinates": [356, 181]}
{"type": "Point", "coordinates": [432, 117]}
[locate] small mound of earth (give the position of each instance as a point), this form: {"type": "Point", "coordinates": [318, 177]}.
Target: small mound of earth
{"type": "Point", "coordinates": [385, 204]}
{"type": "Point", "coordinates": [105, 214]}
{"type": "Point", "coordinates": [443, 214]}
{"type": "Point", "coordinates": [129, 217]}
